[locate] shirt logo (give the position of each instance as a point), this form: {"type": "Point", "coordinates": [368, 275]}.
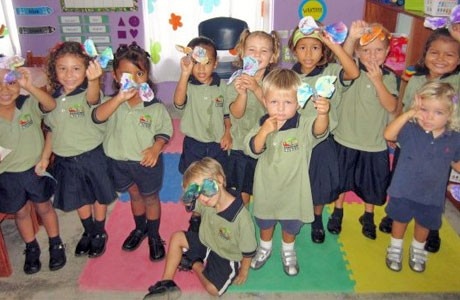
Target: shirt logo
{"type": "Point", "coordinates": [145, 121]}
{"type": "Point", "coordinates": [291, 144]}
{"type": "Point", "coordinates": [224, 233]}
{"type": "Point", "coordinates": [25, 121]}
{"type": "Point", "coordinates": [76, 111]}
{"type": "Point", "coordinates": [219, 101]}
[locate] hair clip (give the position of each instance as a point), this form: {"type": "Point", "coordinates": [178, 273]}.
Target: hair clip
{"type": "Point", "coordinates": [372, 33]}
{"type": "Point", "coordinates": [11, 63]}
{"type": "Point", "coordinates": [127, 83]}
{"type": "Point", "coordinates": [336, 32]}
{"type": "Point", "coordinates": [324, 87]}
{"type": "Point", "coordinates": [103, 58]}
{"type": "Point", "coordinates": [443, 22]}
{"type": "Point", "coordinates": [198, 53]}
{"type": "Point", "coordinates": [250, 67]}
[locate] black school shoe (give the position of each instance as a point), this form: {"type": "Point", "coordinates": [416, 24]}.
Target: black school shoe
{"type": "Point", "coordinates": [133, 240]}
{"type": "Point", "coordinates": [32, 262]}
{"type": "Point", "coordinates": [317, 235]}
{"type": "Point", "coordinates": [156, 248]}
{"type": "Point", "coordinates": [334, 224]}
{"type": "Point", "coordinates": [369, 228]}
{"type": "Point", "coordinates": [97, 245]}
{"type": "Point", "coordinates": [386, 224]}
{"type": "Point", "coordinates": [57, 257]}
{"type": "Point", "coordinates": [433, 241]}
{"type": "Point", "coordinates": [163, 287]}
{"type": "Point", "coordinates": [83, 245]}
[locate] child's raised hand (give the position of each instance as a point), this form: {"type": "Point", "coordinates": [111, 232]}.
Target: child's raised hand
{"type": "Point", "coordinates": [94, 71]}
{"type": "Point", "coordinates": [374, 72]}
{"type": "Point", "coordinates": [270, 125]}
{"type": "Point", "coordinates": [357, 29]}
{"type": "Point", "coordinates": [322, 105]}
{"type": "Point", "coordinates": [240, 85]}
{"type": "Point", "coordinates": [123, 96]}
{"type": "Point", "coordinates": [186, 65]}
{"type": "Point", "coordinates": [249, 82]}
{"type": "Point", "coordinates": [454, 30]}
{"type": "Point", "coordinates": [25, 80]}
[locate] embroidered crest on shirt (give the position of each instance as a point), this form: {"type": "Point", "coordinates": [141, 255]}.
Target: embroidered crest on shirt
{"type": "Point", "coordinates": [224, 233]}
{"type": "Point", "coordinates": [290, 144]}
{"type": "Point", "coordinates": [25, 121]}
{"type": "Point", "coordinates": [145, 121]}
{"type": "Point", "coordinates": [219, 101]}
{"type": "Point", "coordinates": [76, 111]}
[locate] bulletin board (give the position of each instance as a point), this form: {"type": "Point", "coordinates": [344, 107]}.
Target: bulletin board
{"type": "Point", "coordinates": [41, 23]}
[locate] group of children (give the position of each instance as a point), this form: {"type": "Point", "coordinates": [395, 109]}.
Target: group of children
{"type": "Point", "coordinates": [261, 134]}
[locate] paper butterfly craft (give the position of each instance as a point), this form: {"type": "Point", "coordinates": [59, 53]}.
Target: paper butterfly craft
{"type": "Point", "coordinates": [250, 67]}
{"type": "Point", "coordinates": [11, 63]}
{"type": "Point", "coordinates": [209, 188]}
{"type": "Point", "coordinates": [103, 58]}
{"type": "Point", "coordinates": [441, 22]}
{"type": "Point", "coordinates": [198, 53]}
{"type": "Point", "coordinates": [455, 192]}
{"type": "Point", "coordinates": [371, 33]}
{"type": "Point", "coordinates": [127, 83]}
{"type": "Point", "coordinates": [336, 32]}
{"type": "Point", "coordinates": [324, 87]}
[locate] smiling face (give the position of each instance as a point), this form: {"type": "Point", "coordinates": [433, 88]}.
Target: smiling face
{"type": "Point", "coordinates": [442, 57]}
{"type": "Point", "coordinates": [70, 72]}
{"type": "Point", "coordinates": [260, 48]}
{"type": "Point", "coordinates": [9, 91]}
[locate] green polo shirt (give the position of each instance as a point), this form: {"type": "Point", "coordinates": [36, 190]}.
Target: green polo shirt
{"type": "Point", "coordinates": [362, 119]}
{"type": "Point", "coordinates": [203, 113]}
{"type": "Point", "coordinates": [74, 132]}
{"type": "Point", "coordinates": [23, 135]}
{"type": "Point", "coordinates": [131, 130]}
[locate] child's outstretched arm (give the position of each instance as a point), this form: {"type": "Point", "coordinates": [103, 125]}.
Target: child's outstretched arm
{"type": "Point", "coordinates": [180, 94]}
{"type": "Point", "coordinates": [93, 74]}
{"type": "Point", "coordinates": [238, 107]}
{"type": "Point", "coordinates": [356, 31]}
{"type": "Point", "coordinates": [270, 125]}
{"type": "Point", "coordinates": [392, 131]}
{"type": "Point", "coordinates": [106, 109]}
{"type": "Point", "coordinates": [322, 106]}
{"type": "Point", "coordinates": [47, 102]}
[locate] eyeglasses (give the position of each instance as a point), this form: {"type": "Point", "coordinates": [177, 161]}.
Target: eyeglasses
{"type": "Point", "coordinates": [208, 188]}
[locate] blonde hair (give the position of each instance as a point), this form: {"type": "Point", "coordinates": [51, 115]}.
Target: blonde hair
{"type": "Point", "coordinates": [272, 37]}
{"type": "Point", "coordinates": [444, 92]}
{"type": "Point", "coordinates": [207, 167]}
{"type": "Point", "coordinates": [281, 79]}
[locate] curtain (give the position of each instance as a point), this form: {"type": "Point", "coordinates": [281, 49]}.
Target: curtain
{"type": "Point", "coordinates": [9, 42]}
{"type": "Point", "coordinates": [175, 22]}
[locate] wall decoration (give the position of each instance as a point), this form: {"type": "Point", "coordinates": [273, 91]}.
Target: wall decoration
{"type": "Point", "coordinates": [36, 29]}
{"type": "Point", "coordinates": [98, 6]}
{"type": "Point", "coordinates": [315, 8]}
{"type": "Point", "coordinates": [175, 21]}
{"type": "Point", "coordinates": [34, 11]}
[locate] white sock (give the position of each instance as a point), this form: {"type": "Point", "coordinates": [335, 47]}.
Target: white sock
{"type": "Point", "coordinates": [287, 246]}
{"type": "Point", "coordinates": [396, 242]}
{"type": "Point", "coordinates": [417, 244]}
{"type": "Point", "coordinates": [266, 244]}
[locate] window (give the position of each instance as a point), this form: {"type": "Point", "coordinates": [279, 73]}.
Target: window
{"type": "Point", "coordinates": [9, 44]}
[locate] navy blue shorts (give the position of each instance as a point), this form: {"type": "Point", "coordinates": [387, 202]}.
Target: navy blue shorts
{"type": "Point", "coordinates": [218, 270]}
{"type": "Point", "coordinates": [365, 173]}
{"type": "Point", "coordinates": [193, 150]}
{"type": "Point", "coordinates": [16, 188]}
{"type": "Point", "coordinates": [240, 172]}
{"type": "Point", "coordinates": [82, 180]}
{"type": "Point", "coordinates": [324, 172]}
{"type": "Point", "coordinates": [149, 180]}
{"type": "Point", "coordinates": [404, 210]}
{"type": "Point", "coordinates": [289, 226]}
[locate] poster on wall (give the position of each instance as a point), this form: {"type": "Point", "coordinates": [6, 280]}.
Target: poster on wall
{"type": "Point", "coordinates": [315, 8]}
{"type": "Point", "coordinates": [97, 6]}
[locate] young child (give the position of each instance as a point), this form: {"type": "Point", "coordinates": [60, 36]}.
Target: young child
{"type": "Point", "coordinates": [205, 121]}
{"type": "Point", "coordinates": [220, 254]}
{"type": "Point", "coordinates": [315, 55]}
{"type": "Point", "coordinates": [80, 166]}
{"type": "Point", "coordinates": [425, 133]}
{"type": "Point", "coordinates": [137, 132]}
{"type": "Point", "coordinates": [246, 106]}
{"type": "Point", "coordinates": [283, 141]}
{"type": "Point", "coordinates": [363, 115]}
{"type": "Point", "coordinates": [20, 185]}
{"type": "Point", "coordinates": [440, 62]}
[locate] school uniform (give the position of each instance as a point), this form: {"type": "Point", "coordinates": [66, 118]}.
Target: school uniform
{"type": "Point", "coordinates": [362, 150]}
{"type": "Point", "coordinates": [223, 240]}
{"type": "Point", "coordinates": [281, 182]}
{"type": "Point", "coordinates": [24, 136]}
{"type": "Point", "coordinates": [202, 121]}
{"type": "Point", "coordinates": [80, 166]}
{"type": "Point", "coordinates": [130, 130]}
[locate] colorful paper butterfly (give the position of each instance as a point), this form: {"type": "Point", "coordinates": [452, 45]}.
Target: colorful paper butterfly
{"type": "Point", "coordinates": [127, 83]}
{"type": "Point", "coordinates": [208, 188]}
{"type": "Point", "coordinates": [103, 58]}
{"type": "Point", "coordinates": [11, 63]}
{"type": "Point", "coordinates": [250, 67]}
{"type": "Point", "coordinates": [324, 87]}
{"type": "Point", "coordinates": [455, 192]}
{"type": "Point", "coordinates": [336, 32]}
{"type": "Point", "coordinates": [371, 33]}
{"type": "Point", "coordinates": [441, 22]}
{"type": "Point", "coordinates": [198, 53]}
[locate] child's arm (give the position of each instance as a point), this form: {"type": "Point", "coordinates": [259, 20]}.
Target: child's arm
{"type": "Point", "coordinates": [321, 123]}
{"type": "Point", "coordinates": [387, 100]}
{"type": "Point", "coordinates": [356, 31]}
{"type": "Point", "coordinates": [180, 94]}
{"type": "Point", "coordinates": [93, 74]}
{"type": "Point", "coordinates": [47, 102]}
{"type": "Point", "coordinates": [42, 165]}
{"type": "Point", "coordinates": [151, 154]}
{"type": "Point", "coordinates": [106, 109]}
{"type": "Point", "coordinates": [455, 31]}
{"type": "Point", "coordinates": [270, 125]}
{"type": "Point", "coordinates": [392, 131]}
{"type": "Point", "coordinates": [243, 272]}
{"type": "Point", "coordinates": [238, 107]}
{"type": "Point", "coordinates": [226, 140]}
{"type": "Point", "coordinates": [251, 83]}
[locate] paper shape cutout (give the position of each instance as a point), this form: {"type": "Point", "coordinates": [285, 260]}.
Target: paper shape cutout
{"type": "Point", "coordinates": [11, 63]}
{"type": "Point", "coordinates": [127, 83]}
{"type": "Point", "coordinates": [208, 188]}
{"type": "Point", "coordinates": [324, 87]}
{"type": "Point", "coordinates": [455, 192]}
{"type": "Point", "coordinates": [371, 33]}
{"type": "Point", "coordinates": [198, 53]}
{"type": "Point", "coordinates": [443, 22]}
{"type": "Point", "coordinates": [336, 32]}
{"type": "Point", "coordinates": [3, 30]}
{"type": "Point", "coordinates": [250, 67]}
{"type": "Point", "coordinates": [103, 58]}
{"type": "Point", "coordinates": [4, 152]}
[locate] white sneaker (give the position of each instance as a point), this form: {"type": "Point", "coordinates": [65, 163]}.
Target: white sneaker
{"type": "Point", "coordinates": [417, 259]}
{"type": "Point", "coordinates": [290, 265]}
{"type": "Point", "coordinates": [394, 258]}
{"type": "Point", "coordinates": [261, 257]}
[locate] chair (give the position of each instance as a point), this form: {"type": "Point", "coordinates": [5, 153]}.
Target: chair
{"type": "Point", "coordinates": [225, 33]}
{"type": "Point", "coordinates": [34, 61]}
